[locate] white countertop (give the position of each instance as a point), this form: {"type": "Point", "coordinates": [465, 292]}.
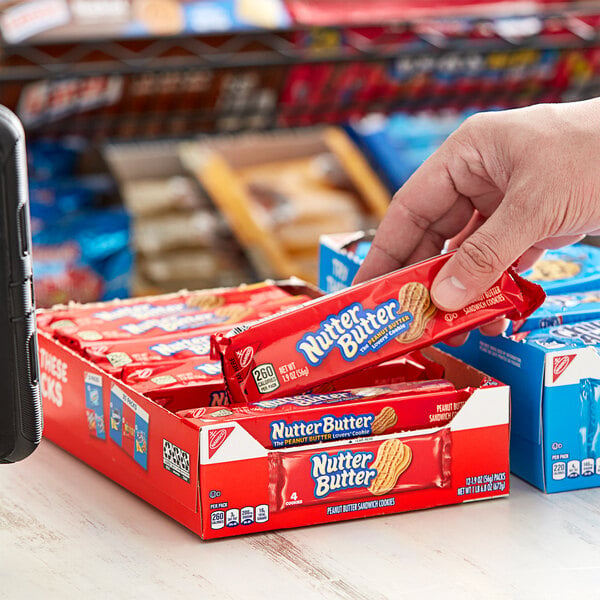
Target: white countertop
{"type": "Point", "coordinates": [68, 532]}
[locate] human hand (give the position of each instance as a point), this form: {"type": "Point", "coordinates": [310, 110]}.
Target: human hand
{"type": "Point", "coordinates": [504, 187]}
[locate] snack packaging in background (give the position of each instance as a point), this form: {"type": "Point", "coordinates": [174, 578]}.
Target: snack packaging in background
{"type": "Point", "coordinates": [352, 329]}
{"type": "Point", "coordinates": [340, 257]}
{"type": "Point", "coordinates": [384, 67]}
{"type": "Point", "coordinates": [553, 374]}
{"type": "Point", "coordinates": [284, 189]}
{"type": "Point", "coordinates": [180, 239]}
{"type": "Point", "coordinates": [47, 159]}
{"type": "Point", "coordinates": [113, 356]}
{"type": "Point", "coordinates": [53, 199]}
{"type": "Point", "coordinates": [362, 412]}
{"type": "Point", "coordinates": [561, 308]}
{"type": "Point", "coordinates": [321, 13]}
{"type": "Point", "coordinates": [160, 345]}
{"type": "Point", "coordinates": [72, 20]}
{"type": "Point", "coordinates": [80, 239]}
{"type": "Point", "coordinates": [135, 310]}
{"type": "Point", "coordinates": [567, 270]}
{"type": "Point", "coordinates": [398, 144]}
{"type": "Point", "coordinates": [574, 268]}
{"type": "Point", "coordinates": [188, 336]}
{"type": "Point", "coordinates": [160, 318]}
{"type": "Point", "coordinates": [83, 258]}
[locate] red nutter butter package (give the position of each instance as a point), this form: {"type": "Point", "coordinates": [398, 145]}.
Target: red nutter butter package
{"type": "Point", "coordinates": [113, 356]}
{"type": "Point", "coordinates": [178, 385]}
{"type": "Point", "coordinates": [364, 412]}
{"type": "Point", "coordinates": [347, 331]}
{"type": "Point", "coordinates": [363, 470]}
{"type": "Point", "coordinates": [164, 315]}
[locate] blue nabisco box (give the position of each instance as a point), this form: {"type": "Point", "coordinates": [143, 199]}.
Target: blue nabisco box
{"type": "Point", "coordinates": [567, 270]}
{"type": "Point", "coordinates": [574, 268]}
{"type": "Point", "coordinates": [554, 374]}
{"type": "Point", "coordinates": [561, 309]}
{"type": "Point", "coordinates": [340, 256]}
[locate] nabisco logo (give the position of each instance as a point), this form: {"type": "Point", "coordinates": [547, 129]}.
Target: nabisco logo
{"type": "Point", "coordinates": [196, 413]}
{"type": "Point", "coordinates": [216, 438]}
{"type": "Point", "coordinates": [245, 356]}
{"type": "Point", "coordinates": [143, 373]}
{"type": "Point", "coordinates": [560, 364]}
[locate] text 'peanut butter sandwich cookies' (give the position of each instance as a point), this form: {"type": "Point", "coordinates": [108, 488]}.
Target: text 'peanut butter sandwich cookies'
{"type": "Point", "coordinates": [357, 327]}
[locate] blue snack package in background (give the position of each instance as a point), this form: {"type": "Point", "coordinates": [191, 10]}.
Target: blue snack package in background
{"type": "Point", "coordinates": [52, 199]}
{"type": "Point", "coordinates": [396, 145]}
{"type": "Point", "coordinates": [49, 159]}
{"type": "Point", "coordinates": [81, 244]}
{"type": "Point", "coordinates": [572, 335]}
{"type": "Point", "coordinates": [574, 268]}
{"type": "Point", "coordinates": [561, 308]}
{"type": "Point", "coordinates": [86, 257]}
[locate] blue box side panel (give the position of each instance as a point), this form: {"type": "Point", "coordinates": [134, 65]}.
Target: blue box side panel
{"type": "Point", "coordinates": [566, 429]}
{"type": "Point", "coordinates": [336, 269]}
{"type": "Point", "coordinates": [526, 460]}
{"type": "Point", "coordinates": [522, 367]}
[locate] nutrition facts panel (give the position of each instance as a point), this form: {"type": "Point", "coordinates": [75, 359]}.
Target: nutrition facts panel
{"type": "Point", "coordinates": [68, 532]}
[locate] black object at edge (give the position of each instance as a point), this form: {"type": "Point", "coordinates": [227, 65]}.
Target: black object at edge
{"type": "Point", "coordinates": [21, 419]}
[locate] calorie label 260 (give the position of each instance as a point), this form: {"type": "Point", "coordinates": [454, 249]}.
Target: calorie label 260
{"type": "Point", "coordinates": [265, 378]}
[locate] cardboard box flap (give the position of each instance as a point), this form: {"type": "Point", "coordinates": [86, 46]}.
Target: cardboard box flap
{"type": "Point", "coordinates": [235, 204]}
{"type": "Point", "coordinates": [369, 186]}
{"type": "Point", "coordinates": [130, 161]}
{"type": "Point", "coordinates": [280, 190]}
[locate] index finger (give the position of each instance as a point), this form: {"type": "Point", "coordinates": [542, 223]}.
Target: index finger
{"type": "Point", "coordinates": [431, 207]}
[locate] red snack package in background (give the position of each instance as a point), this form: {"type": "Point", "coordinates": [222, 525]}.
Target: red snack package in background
{"type": "Point", "coordinates": [151, 314]}
{"type": "Point", "coordinates": [178, 385]}
{"type": "Point", "coordinates": [113, 355]}
{"type": "Point", "coordinates": [119, 311]}
{"type": "Point", "coordinates": [366, 324]}
{"type": "Point", "coordinates": [365, 412]}
{"type": "Point", "coordinates": [117, 355]}
{"type": "Point", "coordinates": [365, 470]}
{"type": "Point", "coordinates": [196, 383]}
{"type": "Point", "coordinates": [181, 320]}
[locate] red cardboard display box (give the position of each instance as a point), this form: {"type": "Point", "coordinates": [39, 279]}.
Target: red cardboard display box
{"type": "Point", "coordinates": [219, 481]}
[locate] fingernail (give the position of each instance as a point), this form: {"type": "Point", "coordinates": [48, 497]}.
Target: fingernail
{"type": "Point", "coordinates": [450, 293]}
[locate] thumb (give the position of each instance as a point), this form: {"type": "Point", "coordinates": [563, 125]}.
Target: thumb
{"type": "Point", "coordinates": [481, 259]}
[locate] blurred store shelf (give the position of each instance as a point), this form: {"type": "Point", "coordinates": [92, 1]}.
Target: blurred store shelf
{"type": "Point", "coordinates": [138, 85]}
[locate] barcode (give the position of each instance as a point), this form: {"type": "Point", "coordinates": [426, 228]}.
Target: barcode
{"type": "Point", "coordinates": [176, 460]}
